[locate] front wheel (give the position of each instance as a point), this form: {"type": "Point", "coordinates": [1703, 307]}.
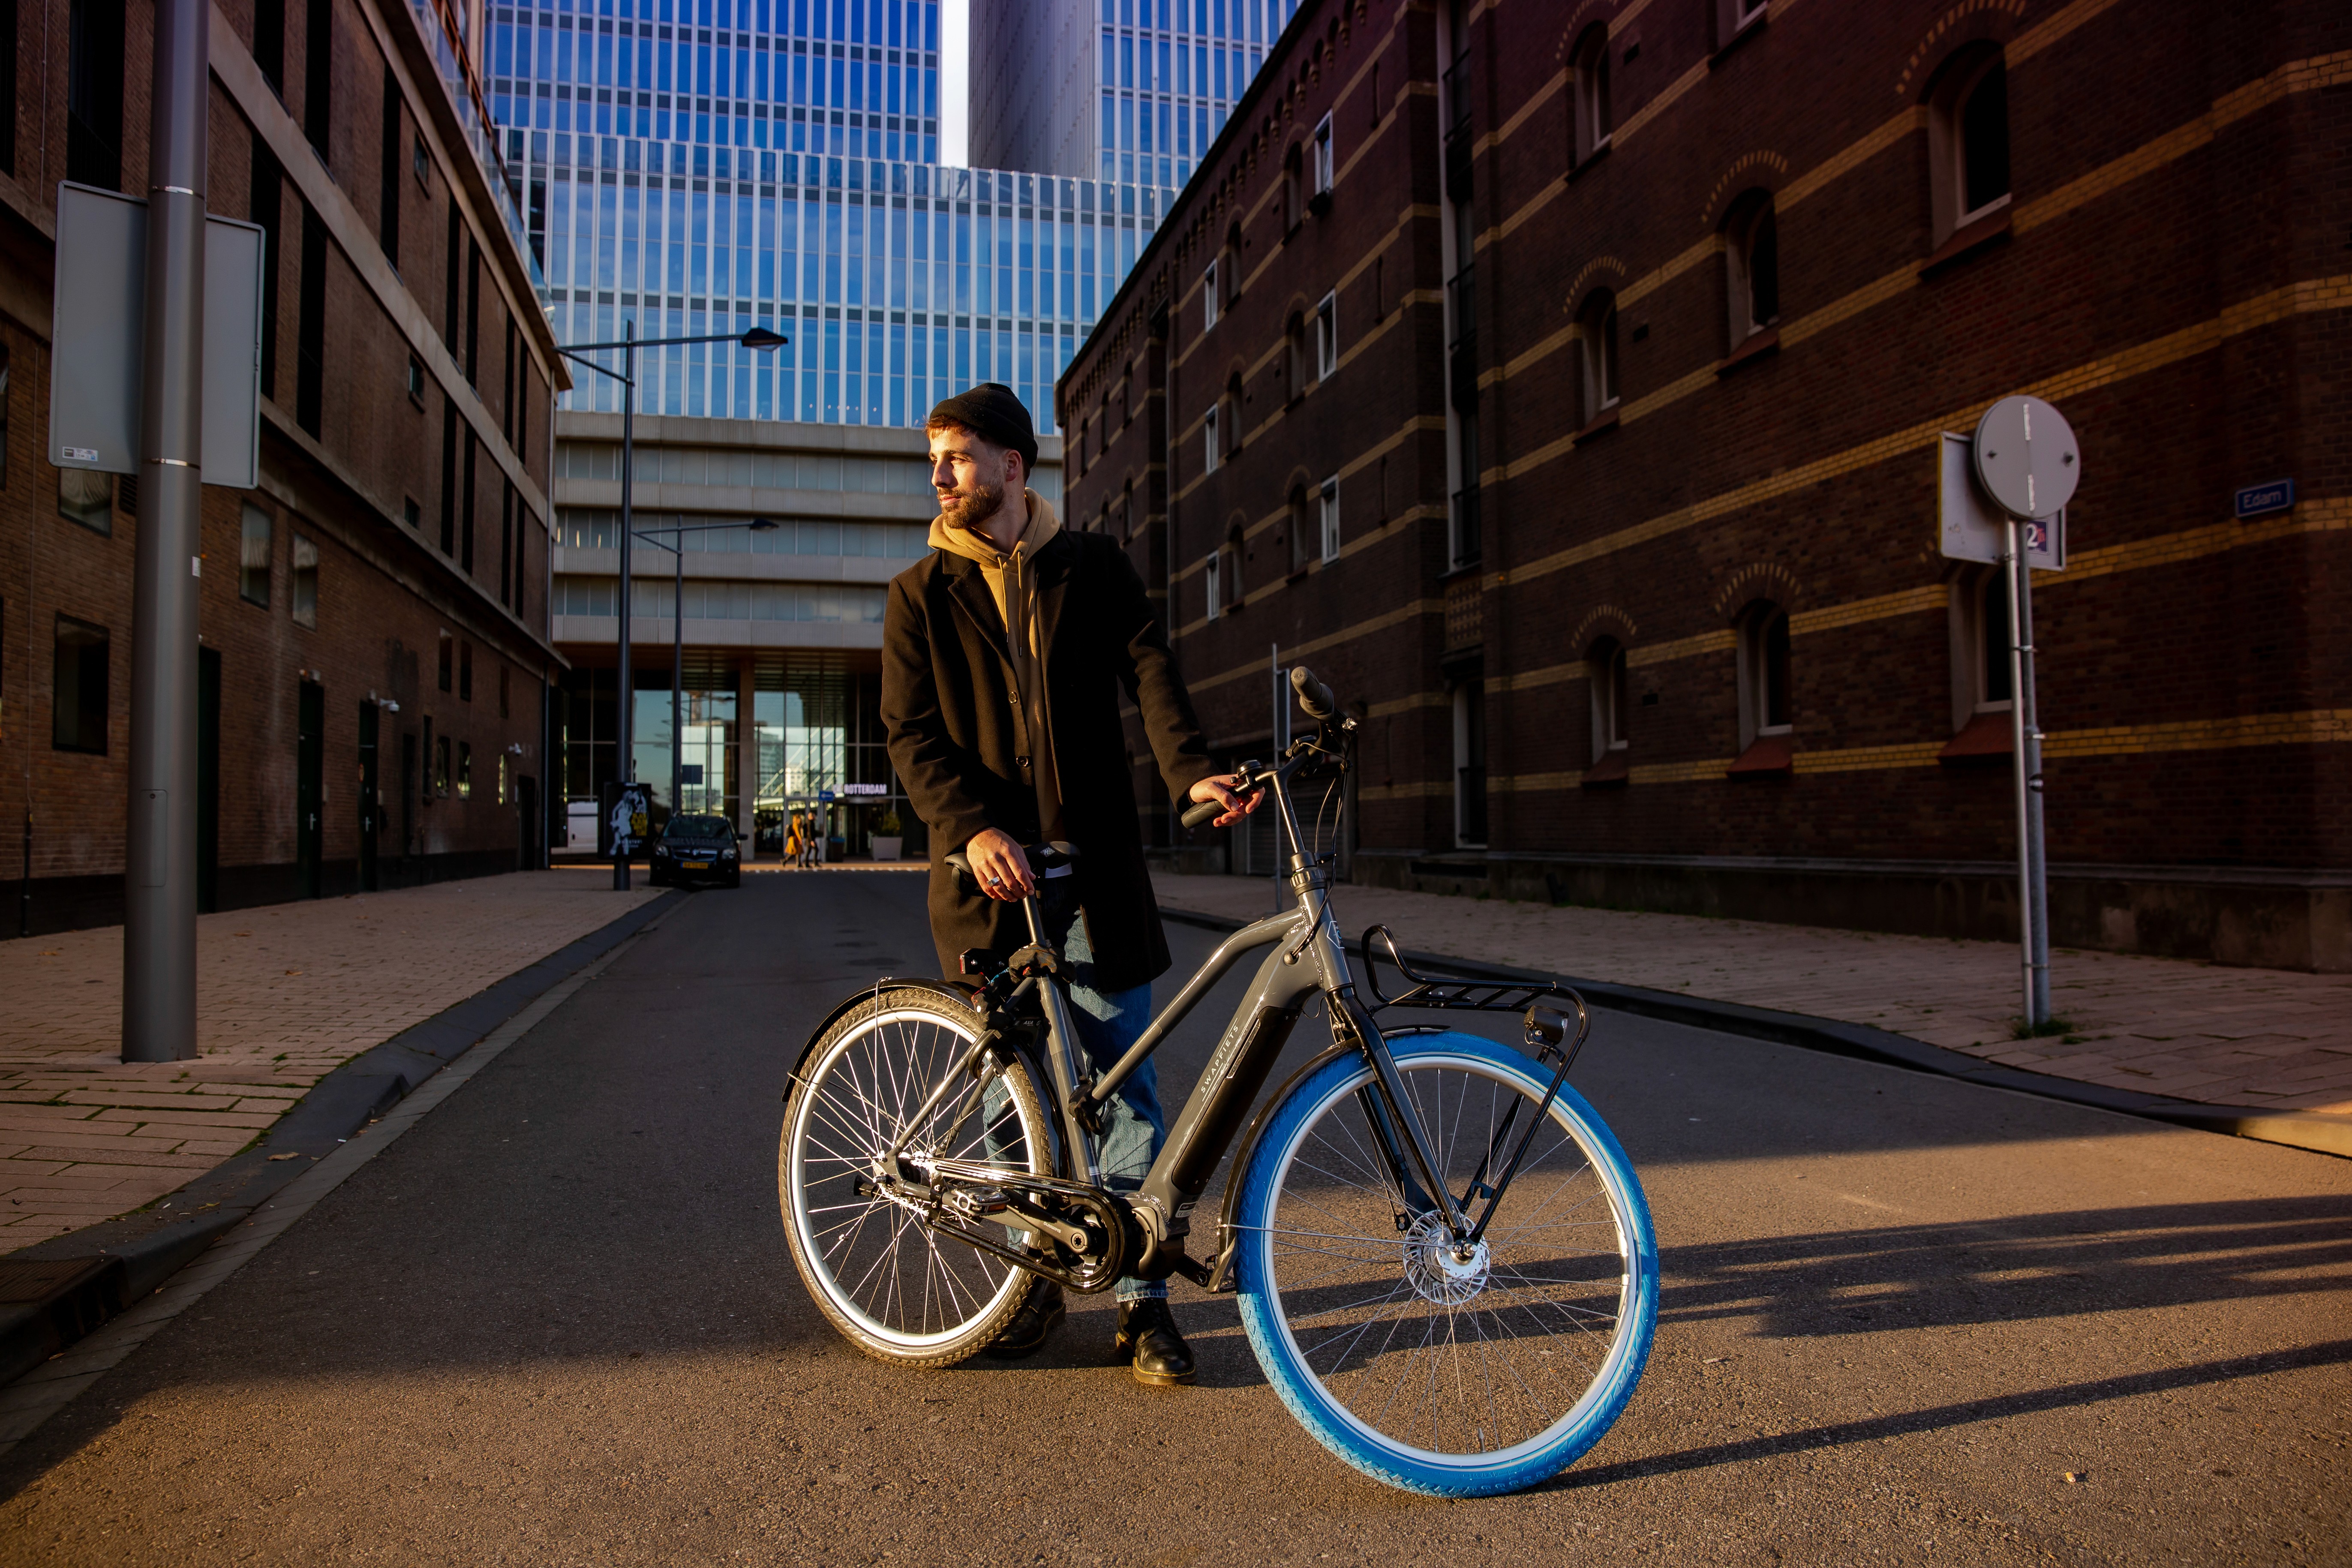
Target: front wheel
{"type": "Point", "coordinates": [1452, 1374]}
{"type": "Point", "coordinates": [893, 1286]}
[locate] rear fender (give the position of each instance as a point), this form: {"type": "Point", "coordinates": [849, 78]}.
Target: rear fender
{"type": "Point", "coordinates": [946, 988]}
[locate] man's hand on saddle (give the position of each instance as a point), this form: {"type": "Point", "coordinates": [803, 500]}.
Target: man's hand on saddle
{"type": "Point", "coordinates": [998, 860]}
{"type": "Point", "coordinates": [1225, 790]}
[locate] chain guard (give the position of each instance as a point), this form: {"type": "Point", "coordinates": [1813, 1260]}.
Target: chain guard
{"type": "Point", "coordinates": [1103, 1218]}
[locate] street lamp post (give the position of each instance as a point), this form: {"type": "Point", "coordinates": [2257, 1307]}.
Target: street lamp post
{"type": "Point", "coordinates": [677, 627]}
{"type": "Point", "coordinates": [760, 338]}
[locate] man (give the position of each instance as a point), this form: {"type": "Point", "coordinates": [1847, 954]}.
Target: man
{"type": "Point", "coordinates": [1004, 655]}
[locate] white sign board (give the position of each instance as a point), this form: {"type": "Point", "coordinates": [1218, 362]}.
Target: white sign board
{"type": "Point", "coordinates": [1971, 528]}
{"type": "Point", "coordinates": [98, 331]}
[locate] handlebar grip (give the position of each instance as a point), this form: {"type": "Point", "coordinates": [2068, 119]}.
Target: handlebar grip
{"type": "Point", "coordinates": [1201, 813]}
{"type": "Point", "coordinates": [1314, 697]}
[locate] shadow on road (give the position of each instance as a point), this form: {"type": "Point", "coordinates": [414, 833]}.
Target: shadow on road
{"type": "Point", "coordinates": [2336, 1352]}
{"type": "Point", "coordinates": [2014, 1269]}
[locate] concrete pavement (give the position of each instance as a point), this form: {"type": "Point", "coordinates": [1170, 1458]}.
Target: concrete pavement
{"type": "Point", "coordinates": [285, 994]}
{"type": "Point", "coordinates": [1905, 1320]}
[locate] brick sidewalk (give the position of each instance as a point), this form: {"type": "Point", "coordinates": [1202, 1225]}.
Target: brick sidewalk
{"type": "Point", "coordinates": [283, 994]}
{"type": "Point", "coordinates": [2266, 1037]}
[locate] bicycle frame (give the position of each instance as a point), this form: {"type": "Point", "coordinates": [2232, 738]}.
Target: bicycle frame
{"type": "Point", "coordinates": [1308, 955]}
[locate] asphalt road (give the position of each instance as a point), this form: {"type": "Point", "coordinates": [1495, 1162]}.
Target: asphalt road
{"type": "Point", "coordinates": [1905, 1320]}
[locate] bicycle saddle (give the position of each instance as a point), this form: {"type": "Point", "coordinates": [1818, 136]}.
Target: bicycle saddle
{"type": "Point", "coordinates": [1045, 861]}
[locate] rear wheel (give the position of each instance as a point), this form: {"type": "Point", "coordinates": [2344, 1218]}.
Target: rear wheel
{"type": "Point", "coordinates": [897, 1290]}
{"type": "Point", "coordinates": [1455, 1372]}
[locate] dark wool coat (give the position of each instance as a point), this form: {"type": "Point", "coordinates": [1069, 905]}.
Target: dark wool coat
{"type": "Point", "coordinates": [956, 738]}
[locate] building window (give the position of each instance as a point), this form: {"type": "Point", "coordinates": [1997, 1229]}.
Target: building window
{"type": "Point", "coordinates": [304, 585]}
{"type": "Point", "coordinates": [441, 766]}
{"type": "Point", "coordinates": [1733, 17]}
{"type": "Point", "coordinates": [1229, 428]}
{"type": "Point", "coordinates": [1212, 578]}
{"type": "Point", "coordinates": [1596, 352]}
{"type": "Point", "coordinates": [1968, 128]}
{"type": "Point", "coordinates": [1322, 171]}
{"type": "Point", "coordinates": [1470, 761]}
{"type": "Point", "coordinates": [448, 663]}
{"type": "Point", "coordinates": [414, 381]}
{"type": "Point", "coordinates": [1751, 254]}
{"type": "Point", "coordinates": [1763, 672]}
{"type": "Point", "coordinates": [1605, 678]}
{"type": "Point", "coordinates": [1327, 337]}
{"type": "Point", "coordinates": [86, 498]}
{"type": "Point", "coordinates": [94, 81]}
{"type": "Point", "coordinates": [1211, 453]}
{"type": "Point", "coordinates": [1293, 359]}
{"type": "Point", "coordinates": [1981, 652]}
{"type": "Point", "coordinates": [502, 778]}
{"type": "Point", "coordinates": [1209, 303]}
{"type": "Point", "coordinates": [465, 672]}
{"type": "Point", "coordinates": [465, 770]}
{"type": "Point", "coordinates": [1328, 504]}
{"type": "Point", "coordinates": [253, 558]}
{"type": "Point", "coordinates": [77, 688]}
{"type": "Point", "coordinates": [4, 386]}
{"type": "Point", "coordinates": [1589, 106]}
{"type": "Point", "coordinates": [1303, 536]}
{"type": "Point", "coordinates": [1294, 199]}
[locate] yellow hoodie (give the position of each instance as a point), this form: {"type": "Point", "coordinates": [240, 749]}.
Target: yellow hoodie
{"type": "Point", "coordinates": [1013, 585]}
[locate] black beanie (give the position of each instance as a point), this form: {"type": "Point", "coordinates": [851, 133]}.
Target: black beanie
{"type": "Point", "coordinates": [993, 412]}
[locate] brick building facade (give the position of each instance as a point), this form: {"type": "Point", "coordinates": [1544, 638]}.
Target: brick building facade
{"type": "Point", "coordinates": [373, 616]}
{"type": "Point", "coordinates": [1568, 386]}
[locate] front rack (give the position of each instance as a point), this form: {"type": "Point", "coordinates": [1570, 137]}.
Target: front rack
{"type": "Point", "coordinates": [1462, 994]}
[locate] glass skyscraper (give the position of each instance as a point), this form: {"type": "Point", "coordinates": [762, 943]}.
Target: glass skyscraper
{"type": "Point", "coordinates": [709, 165]}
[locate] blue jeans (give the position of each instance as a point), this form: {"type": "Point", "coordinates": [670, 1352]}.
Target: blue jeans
{"type": "Point", "coordinates": [1109, 1023]}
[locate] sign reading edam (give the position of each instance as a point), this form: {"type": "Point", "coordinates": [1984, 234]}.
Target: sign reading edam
{"type": "Point", "coordinates": [2258, 501]}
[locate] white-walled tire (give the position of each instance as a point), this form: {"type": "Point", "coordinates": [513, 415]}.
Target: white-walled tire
{"type": "Point", "coordinates": [891, 1287]}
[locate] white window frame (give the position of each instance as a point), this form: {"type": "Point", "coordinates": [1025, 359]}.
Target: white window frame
{"type": "Point", "coordinates": [1213, 455]}
{"type": "Point", "coordinates": [1947, 149]}
{"type": "Point", "coordinates": [1597, 358]}
{"type": "Point", "coordinates": [1740, 263]}
{"type": "Point", "coordinates": [1328, 498]}
{"type": "Point", "coordinates": [1213, 574]}
{"type": "Point", "coordinates": [1327, 336]}
{"type": "Point", "coordinates": [1591, 102]}
{"type": "Point", "coordinates": [1755, 674]}
{"type": "Point", "coordinates": [1608, 679]}
{"type": "Point", "coordinates": [1324, 173]}
{"type": "Point", "coordinates": [1209, 303]}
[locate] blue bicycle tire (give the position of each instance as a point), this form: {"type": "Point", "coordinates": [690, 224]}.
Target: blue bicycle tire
{"type": "Point", "coordinates": [1273, 1309]}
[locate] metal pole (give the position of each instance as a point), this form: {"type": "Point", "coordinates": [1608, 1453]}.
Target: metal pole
{"type": "Point", "coordinates": [676, 664]}
{"type": "Point", "coordinates": [2013, 561]}
{"type": "Point", "coordinates": [625, 768]}
{"type": "Point", "coordinates": [159, 928]}
{"type": "Point", "coordinates": [2037, 870]}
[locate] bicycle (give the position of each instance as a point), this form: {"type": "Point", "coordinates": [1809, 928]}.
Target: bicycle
{"type": "Point", "coordinates": [937, 1157]}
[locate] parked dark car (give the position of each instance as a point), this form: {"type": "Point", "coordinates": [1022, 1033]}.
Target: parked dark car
{"type": "Point", "coordinates": [696, 849]}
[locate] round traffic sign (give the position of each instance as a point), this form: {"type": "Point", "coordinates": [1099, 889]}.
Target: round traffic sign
{"type": "Point", "coordinates": [2026, 458]}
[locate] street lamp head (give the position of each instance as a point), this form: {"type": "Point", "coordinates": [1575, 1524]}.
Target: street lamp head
{"type": "Point", "coordinates": [764, 340]}
{"type": "Point", "coordinates": [765, 525]}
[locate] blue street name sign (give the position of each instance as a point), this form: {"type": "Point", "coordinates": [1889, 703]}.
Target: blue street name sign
{"type": "Point", "coordinates": [2255, 500]}
{"type": "Point", "coordinates": [825, 797]}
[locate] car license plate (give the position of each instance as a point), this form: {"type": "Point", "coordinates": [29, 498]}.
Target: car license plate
{"type": "Point", "coordinates": [697, 864]}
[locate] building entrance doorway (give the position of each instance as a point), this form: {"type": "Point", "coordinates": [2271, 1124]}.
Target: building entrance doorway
{"type": "Point", "coordinates": [371, 806]}
{"type": "Point", "coordinates": [309, 787]}
{"type": "Point", "coordinates": [208, 748]}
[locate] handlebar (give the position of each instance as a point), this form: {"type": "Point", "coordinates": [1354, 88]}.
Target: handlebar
{"type": "Point", "coordinates": [1315, 699]}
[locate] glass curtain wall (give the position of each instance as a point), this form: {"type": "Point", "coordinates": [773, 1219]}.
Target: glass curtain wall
{"type": "Point", "coordinates": [818, 728]}
{"type": "Point", "coordinates": [1171, 70]}
{"type": "Point", "coordinates": [765, 162]}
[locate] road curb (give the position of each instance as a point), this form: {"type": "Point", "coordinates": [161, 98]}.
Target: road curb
{"type": "Point", "coordinates": [2313, 1131]}
{"type": "Point", "coordinates": [53, 1293]}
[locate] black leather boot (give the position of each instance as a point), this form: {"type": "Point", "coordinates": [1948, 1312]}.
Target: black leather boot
{"type": "Point", "coordinates": [1031, 1324]}
{"type": "Point", "coordinates": [1147, 1331]}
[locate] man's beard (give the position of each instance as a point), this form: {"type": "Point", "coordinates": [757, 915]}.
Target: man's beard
{"type": "Point", "coordinates": [969, 509]}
